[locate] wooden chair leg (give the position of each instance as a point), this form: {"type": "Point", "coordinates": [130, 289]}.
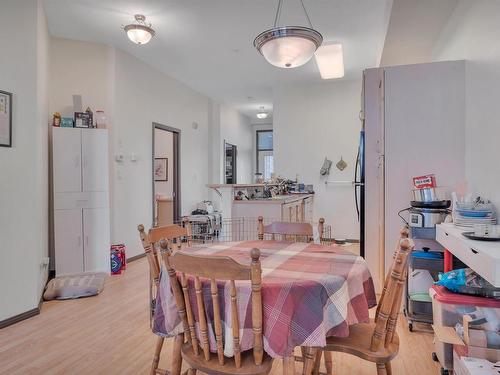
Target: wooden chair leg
{"type": "Point", "coordinates": [381, 369]}
{"type": "Point", "coordinates": [289, 365]}
{"type": "Point", "coordinates": [328, 362]}
{"type": "Point", "coordinates": [176, 355]}
{"type": "Point", "coordinates": [156, 357]}
{"type": "Point", "coordinates": [317, 362]}
{"type": "Point", "coordinates": [309, 361]}
{"type": "Point", "coordinates": [388, 368]}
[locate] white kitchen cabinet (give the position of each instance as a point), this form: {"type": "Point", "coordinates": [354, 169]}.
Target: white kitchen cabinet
{"type": "Point", "coordinates": [95, 171]}
{"type": "Point", "coordinates": [68, 240]}
{"type": "Point", "coordinates": [96, 238]}
{"type": "Point", "coordinates": [80, 200]}
{"type": "Point", "coordinates": [67, 177]}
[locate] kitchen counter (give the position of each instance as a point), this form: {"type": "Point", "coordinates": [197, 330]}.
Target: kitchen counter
{"type": "Point", "coordinates": [279, 199]}
{"type": "Point", "coordinates": [290, 207]}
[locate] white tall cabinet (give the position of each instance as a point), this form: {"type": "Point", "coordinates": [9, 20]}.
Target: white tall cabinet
{"type": "Point", "coordinates": [414, 125]}
{"type": "Point", "coordinates": [81, 200]}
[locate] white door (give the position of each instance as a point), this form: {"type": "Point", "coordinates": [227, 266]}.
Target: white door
{"type": "Point", "coordinates": [95, 160]}
{"type": "Point", "coordinates": [68, 241]}
{"type": "Point", "coordinates": [96, 239]}
{"type": "Point", "coordinates": [66, 151]}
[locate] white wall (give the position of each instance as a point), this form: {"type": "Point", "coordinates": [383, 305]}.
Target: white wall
{"type": "Point", "coordinates": [312, 122]}
{"type": "Point", "coordinates": [142, 95]}
{"type": "Point", "coordinates": [23, 178]}
{"type": "Point", "coordinates": [133, 96]}
{"type": "Point", "coordinates": [235, 129]}
{"type": "Point", "coordinates": [472, 34]}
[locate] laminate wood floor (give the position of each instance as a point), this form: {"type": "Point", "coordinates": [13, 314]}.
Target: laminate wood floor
{"type": "Point", "coordinates": [109, 334]}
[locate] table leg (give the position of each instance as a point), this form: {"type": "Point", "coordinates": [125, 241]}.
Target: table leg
{"type": "Point", "coordinates": [328, 362]}
{"type": "Point", "coordinates": [289, 364]}
{"type": "Point", "coordinates": [448, 261]}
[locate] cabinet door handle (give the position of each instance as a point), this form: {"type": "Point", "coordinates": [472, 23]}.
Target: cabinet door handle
{"type": "Point", "coordinates": [79, 241]}
{"type": "Point", "coordinates": [473, 250]}
{"type": "Point", "coordinates": [86, 240]}
{"type": "Point", "coordinates": [77, 161]}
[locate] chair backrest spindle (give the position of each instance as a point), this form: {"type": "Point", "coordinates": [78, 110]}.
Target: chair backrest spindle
{"type": "Point", "coordinates": [389, 310]}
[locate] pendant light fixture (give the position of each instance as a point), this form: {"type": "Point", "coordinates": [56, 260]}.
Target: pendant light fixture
{"type": "Point", "coordinates": [262, 114]}
{"type": "Point", "coordinates": [140, 32]}
{"type": "Point", "coordinates": [288, 46]}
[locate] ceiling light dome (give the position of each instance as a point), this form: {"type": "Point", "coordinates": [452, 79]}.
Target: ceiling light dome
{"type": "Point", "coordinates": [140, 32]}
{"type": "Point", "coordinates": [262, 114]}
{"type": "Point", "coordinates": [288, 46]}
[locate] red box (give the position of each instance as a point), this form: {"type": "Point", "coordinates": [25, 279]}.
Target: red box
{"type": "Point", "coordinates": [422, 182]}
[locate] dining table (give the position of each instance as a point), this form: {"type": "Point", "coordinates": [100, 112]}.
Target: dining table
{"type": "Point", "coordinates": [309, 292]}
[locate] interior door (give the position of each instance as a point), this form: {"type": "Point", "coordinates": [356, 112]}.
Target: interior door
{"type": "Point", "coordinates": [68, 241]}
{"type": "Point", "coordinates": [96, 239]}
{"type": "Point", "coordinates": [95, 160]}
{"type": "Point", "coordinates": [66, 156]}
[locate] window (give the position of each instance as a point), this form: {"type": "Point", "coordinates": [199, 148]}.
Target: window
{"type": "Point", "coordinates": [265, 159]}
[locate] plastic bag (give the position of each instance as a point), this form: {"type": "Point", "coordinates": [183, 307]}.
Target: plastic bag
{"type": "Point", "coordinates": [453, 280]}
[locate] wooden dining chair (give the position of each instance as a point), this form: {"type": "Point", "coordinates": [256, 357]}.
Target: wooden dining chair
{"type": "Point", "coordinates": [176, 236]}
{"type": "Point", "coordinates": [376, 341]}
{"type": "Point", "coordinates": [208, 272]}
{"type": "Point", "coordinates": [297, 232]}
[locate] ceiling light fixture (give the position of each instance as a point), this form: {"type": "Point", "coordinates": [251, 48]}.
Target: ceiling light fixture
{"type": "Point", "coordinates": [140, 32]}
{"type": "Point", "coordinates": [288, 46]}
{"type": "Point", "coordinates": [330, 61]}
{"type": "Point", "coordinates": [262, 114]}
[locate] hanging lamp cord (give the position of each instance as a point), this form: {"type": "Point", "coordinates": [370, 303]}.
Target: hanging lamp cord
{"type": "Point", "coordinates": [278, 13]}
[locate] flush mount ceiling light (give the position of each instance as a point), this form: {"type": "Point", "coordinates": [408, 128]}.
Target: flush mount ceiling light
{"type": "Point", "coordinates": [140, 32]}
{"type": "Point", "coordinates": [262, 114]}
{"type": "Point", "coordinates": [330, 61]}
{"type": "Point", "coordinates": [288, 46]}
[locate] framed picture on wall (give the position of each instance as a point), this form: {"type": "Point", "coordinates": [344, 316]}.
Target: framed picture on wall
{"type": "Point", "coordinates": [161, 169]}
{"type": "Point", "coordinates": [5, 119]}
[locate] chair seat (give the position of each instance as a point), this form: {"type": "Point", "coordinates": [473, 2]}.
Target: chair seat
{"type": "Point", "coordinates": [359, 341]}
{"type": "Point", "coordinates": [212, 367]}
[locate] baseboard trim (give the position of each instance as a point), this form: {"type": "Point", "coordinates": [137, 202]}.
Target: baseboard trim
{"type": "Point", "coordinates": [136, 257]}
{"type": "Point", "coordinates": [20, 317]}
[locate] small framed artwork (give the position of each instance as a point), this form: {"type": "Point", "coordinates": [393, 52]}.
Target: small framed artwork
{"type": "Point", "coordinates": [5, 119]}
{"type": "Point", "coordinates": [83, 120]}
{"type": "Point", "coordinates": [161, 169]}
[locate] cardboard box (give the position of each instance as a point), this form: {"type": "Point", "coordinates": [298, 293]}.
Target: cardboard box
{"type": "Point", "coordinates": [473, 366]}
{"type": "Point", "coordinates": [465, 349]}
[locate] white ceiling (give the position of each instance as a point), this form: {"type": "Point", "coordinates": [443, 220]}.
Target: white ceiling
{"type": "Point", "coordinates": [207, 44]}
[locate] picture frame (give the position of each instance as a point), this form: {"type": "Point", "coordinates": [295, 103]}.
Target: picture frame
{"type": "Point", "coordinates": [161, 169]}
{"type": "Point", "coordinates": [83, 120]}
{"type": "Point", "coordinates": [5, 119]}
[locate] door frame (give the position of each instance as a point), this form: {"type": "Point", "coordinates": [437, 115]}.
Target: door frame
{"type": "Point", "coordinates": [234, 149]}
{"type": "Point", "coordinates": [176, 169]}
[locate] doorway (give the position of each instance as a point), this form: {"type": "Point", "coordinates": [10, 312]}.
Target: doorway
{"type": "Point", "coordinates": [165, 175]}
{"type": "Point", "coordinates": [230, 156]}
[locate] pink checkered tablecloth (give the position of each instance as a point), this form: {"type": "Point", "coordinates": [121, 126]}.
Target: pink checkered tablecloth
{"type": "Point", "coordinates": [309, 292]}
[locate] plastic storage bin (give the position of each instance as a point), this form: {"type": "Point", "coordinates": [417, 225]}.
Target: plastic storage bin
{"type": "Point", "coordinates": [448, 309]}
